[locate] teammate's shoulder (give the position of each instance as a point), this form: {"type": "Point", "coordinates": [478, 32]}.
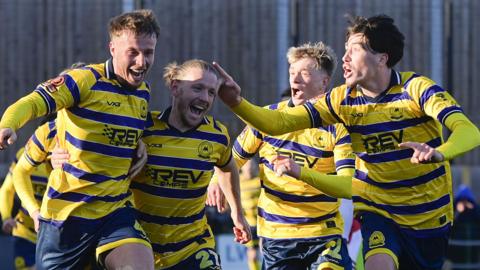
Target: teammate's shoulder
{"type": "Point", "coordinates": [412, 80]}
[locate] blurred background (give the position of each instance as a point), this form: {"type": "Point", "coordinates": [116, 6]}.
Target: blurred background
{"type": "Point", "coordinates": [249, 38]}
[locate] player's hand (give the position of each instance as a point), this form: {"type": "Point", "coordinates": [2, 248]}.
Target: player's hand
{"type": "Point", "coordinates": [7, 137]}
{"type": "Point", "coordinates": [422, 153]}
{"type": "Point", "coordinates": [8, 225]}
{"type": "Point", "coordinates": [229, 91]}
{"type": "Point", "coordinates": [285, 165]}
{"type": "Point", "coordinates": [215, 197]}
{"type": "Point", "coordinates": [241, 229]}
{"type": "Point", "coordinates": [59, 156]}
{"type": "Point", "coordinates": [139, 160]}
{"type": "Point", "coordinates": [35, 216]}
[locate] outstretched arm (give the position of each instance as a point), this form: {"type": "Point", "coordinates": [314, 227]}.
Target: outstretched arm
{"type": "Point", "coordinates": [228, 179]}
{"type": "Point", "coordinates": [464, 137]}
{"type": "Point", "coordinates": [19, 113]}
{"type": "Point", "coordinates": [268, 121]}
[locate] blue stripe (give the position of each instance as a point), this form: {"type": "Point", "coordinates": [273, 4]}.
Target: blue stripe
{"type": "Point", "coordinates": [420, 180]}
{"type": "Point", "coordinates": [344, 140]}
{"type": "Point", "coordinates": [315, 119]}
{"type": "Point", "coordinates": [356, 101]}
{"type": "Point", "coordinates": [31, 160]}
{"type": "Point", "coordinates": [294, 146]}
{"type": "Point", "coordinates": [172, 247]}
{"type": "Point", "coordinates": [107, 118]}
{"type": "Point", "coordinates": [95, 73]}
{"type": "Point", "coordinates": [426, 233]}
{"type": "Point", "coordinates": [273, 106]}
{"type": "Point", "coordinates": [241, 152]}
{"type": "Point", "coordinates": [111, 88]}
{"type": "Point", "coordinates": [257, 134]}
{"type": "Point", "coordinates": [194, 134]}
{"type": "Point", "coordinates": [92, 177]}
{"type": "Point", "coordinates": [405, 85]}
{"type": "Point", "coordinates": [395, 155]}
{"type": "Point", "coordinates": [266, 163]}
{"type": "Point", "coordinates": [39, 179]}
{"type": "Point", "coordinates": [298, 198]}
{"type": "Point", "coordinates": [51, 104]}
{"type": "Point", "coordinates": [99, 148]}
{"type": "Point", "coordinates": [330, 107]}
{"type": "Point", "coordinates": [73, 87]}
{"type": "Point", "coordinates": [180, 163]}
{"type": "Point", "coordinates": [169, 192]}
{"type": "Point", "coordinates": [51, 125]}
{"type": "Point", "coordinates": [170, 220]}
{"type": "Point", "coordinates": [52, 134]}
{"type": "Point", "coordinates": [387, 126]}
{"type": "Point", "coordinates": [345, 163]}
{"type": "Point", "coordinates": [78, 197]}
{"type": "Point", "coordinates": [432, 90]}
{"type": "Point", "coordinates": [407, 209]}
{"type": "Point", "coordinates": [446, 112]}
{"type": "Point", "coordinates": [37, 142]}
{"type": "Point", "coordinates": [292, 220]}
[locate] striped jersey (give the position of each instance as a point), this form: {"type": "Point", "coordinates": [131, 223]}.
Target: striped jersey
{"type": "Point", "coordinates": [99, 123]}
{"type": "Point", "coordinates": [418, 197]}
{"type": "Point", "coordinates": [287, 207]}
{"type": "Point", "coordinates": [170, 192]}
{"type": "Point", "coordinates": [36, 152]}
{"type": "Point", "coordinates": [250, 192]}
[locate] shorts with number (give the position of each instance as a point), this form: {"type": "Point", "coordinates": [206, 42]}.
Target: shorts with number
{"type": "Point", "coordinates": [383, 236]}
{"type": "Point", "coordinates": [205, 259]}
{"type": "Point", "coordinates": [24, 253]}
{"type": "Point", "coordinates": [312, 253]}
{"type": "Point", "coordinates": [78, 242]}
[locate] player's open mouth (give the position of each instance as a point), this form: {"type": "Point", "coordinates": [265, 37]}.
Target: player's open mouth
{"type": "Point", "coordinates": [138, 74]}
{"type": "Point", "coordinates": [346, 71]}
{"type": "Point", "coordinates": [198, 109]}
{"type": "Point", "coordinates": [296, 91]}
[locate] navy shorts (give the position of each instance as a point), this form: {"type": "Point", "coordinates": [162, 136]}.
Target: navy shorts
{"type": "Point", "coordinates": [23, 252]}
{"type": "Point", "coordinates": [204, 259]}
{"type": "Point", "coordinates": [382, 235]}
{"type": "Point", "coordinates": [301, 254]}
{"type": "Point", "coordinates": [77, 242]}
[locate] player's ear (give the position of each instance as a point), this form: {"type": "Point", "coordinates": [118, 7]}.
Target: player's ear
{"type": "Point", "coordinates": [383, 58]}
{"type": "Point", "coordinates": [111, 47]}
{"type": "Point", "coordinates": [174, 88]}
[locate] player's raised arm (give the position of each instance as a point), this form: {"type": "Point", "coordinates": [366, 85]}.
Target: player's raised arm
{"type": "Point", "coordinates": [268, 121]}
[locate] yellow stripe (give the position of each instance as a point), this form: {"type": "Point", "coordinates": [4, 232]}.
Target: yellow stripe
{"type": "Point", "coordinates": [383, 251]}
{"type": "Point", "coordinates": [113, 245]}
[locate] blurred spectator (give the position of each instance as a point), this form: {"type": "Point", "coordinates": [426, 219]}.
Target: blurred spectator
{"type": "Point", "coordinates": [464, 244]}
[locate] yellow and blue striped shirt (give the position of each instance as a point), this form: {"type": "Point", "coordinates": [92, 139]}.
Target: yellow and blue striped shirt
{"type": "Point", "coordinates": [418, 197]}
{"type": "Point", "coordinates": [99, 123]}
{"type": "Point", "coordinates": [287, 207]}
{"type": "Point", "coordinates": [170, 192]}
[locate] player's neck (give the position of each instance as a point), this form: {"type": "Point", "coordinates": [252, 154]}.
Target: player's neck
{"type": "Point", "coordinates": [377, 84]}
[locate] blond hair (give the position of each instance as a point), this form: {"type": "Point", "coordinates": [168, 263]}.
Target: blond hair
{"type": "Point", "coordinates": [141, 22]}
{"type": "Point", "coordinates": [324, 56]}
{"type": "Point", "coordinates": [174, 71]}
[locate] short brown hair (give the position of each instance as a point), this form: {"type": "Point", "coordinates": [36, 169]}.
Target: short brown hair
{"type": "Point", "coordinates": [140, 22]}
{"type": "Point", "coordinates": [323, 55]}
